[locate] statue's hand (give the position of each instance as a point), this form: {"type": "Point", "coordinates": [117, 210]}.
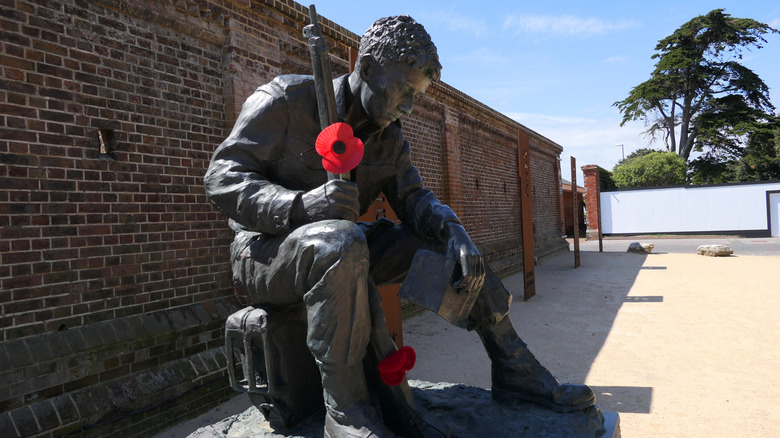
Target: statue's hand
{"type": "Point", "coordinates": [336, 199]}
{"type": "Point", "coordinates": [470, 262]}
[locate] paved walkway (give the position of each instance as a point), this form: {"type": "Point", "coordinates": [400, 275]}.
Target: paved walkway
{"type": "Point", "coordinates": [761, 246]}
{"type": "Point", "coordinates": [681, 345]}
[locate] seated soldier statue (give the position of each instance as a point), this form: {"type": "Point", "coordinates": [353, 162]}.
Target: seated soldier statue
{"type": "Point", "coordinates": [297, 241]}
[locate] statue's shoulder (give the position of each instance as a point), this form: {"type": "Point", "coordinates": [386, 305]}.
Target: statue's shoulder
{"type": "Point", "coordinates": [288, 86]}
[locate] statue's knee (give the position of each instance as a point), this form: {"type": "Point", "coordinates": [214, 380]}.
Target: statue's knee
{"type": "Point", "coordinates": [335, 236]}
{"type": "Point", "coordinates": [327, 243]}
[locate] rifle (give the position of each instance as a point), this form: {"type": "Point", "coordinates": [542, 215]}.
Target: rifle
{"type": "Point", "coordinates": [323, 78]}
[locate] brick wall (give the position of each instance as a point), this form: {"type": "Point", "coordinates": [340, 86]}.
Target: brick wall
{"type": "Point", "coordinates": [114, 281]}
{"type": "Point", "coordinates": [467, 154]}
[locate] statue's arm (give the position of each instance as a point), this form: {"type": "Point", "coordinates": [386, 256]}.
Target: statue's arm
{"type": "Point", "coordinates": [428, 217]}
{"type": "Point", "coordinates": [236, 180]}
{"type": "Point", "coordinates": [415, 205]}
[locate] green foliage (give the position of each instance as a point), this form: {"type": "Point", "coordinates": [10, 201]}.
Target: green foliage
{"type": "Point", "coordinates": [650, 170]}
{"type": "Point", "coordinates": [758, 161]}
{"type": "Point", "coordinates": [761, 160]}
{"type": "Point", "coordinates": [605, 180]}
{"type": "Point", "coordinates": [637, 153]}
{"type": "Point", "coordinates": [710, 169]}
{"type": "Point", "coordinates": [699, 95]}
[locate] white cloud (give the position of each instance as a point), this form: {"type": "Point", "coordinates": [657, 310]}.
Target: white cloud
{"type": "Point", "coordinates": [775, 23]}
{"type": "Point", "coordinates": [564, 24]}
{"type": "Point", "coordinates": [590, 140]}
{"type": "Point", "coordinates": [616, 60]}
{"type": "Point", "coordinates": [544, 120]}
{"type": "Point", "coordinates": [460, 23]}
{"type": "Point", "coordinates": [481, 56]}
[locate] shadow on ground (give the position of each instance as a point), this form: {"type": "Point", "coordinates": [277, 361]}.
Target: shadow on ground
{"type": "Point", "coordinates": [577, 308]}
{"type": "Point", "coordinates": [565, 325]}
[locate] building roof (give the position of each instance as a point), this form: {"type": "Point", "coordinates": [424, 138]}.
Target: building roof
{"type": "Point", "coordinates": [566, 185]}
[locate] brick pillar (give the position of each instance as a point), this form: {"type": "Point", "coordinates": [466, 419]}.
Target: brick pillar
{"type": "Point", "coordinates": [241, 70]}
{"type": "Point", "coordinates": [454, 173]}
{"type": "Point", "coordinates": [592, 193]}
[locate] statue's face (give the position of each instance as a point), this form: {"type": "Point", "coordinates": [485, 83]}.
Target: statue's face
{"type": "Point", "coordinates": [389, 91]}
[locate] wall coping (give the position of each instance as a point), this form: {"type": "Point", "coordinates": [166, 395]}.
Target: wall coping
{"type": "Point", "coordinates": [691, 186]}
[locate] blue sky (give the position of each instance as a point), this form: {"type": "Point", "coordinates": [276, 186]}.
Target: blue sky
{"type": "Point", "coordinates": [557, 67]}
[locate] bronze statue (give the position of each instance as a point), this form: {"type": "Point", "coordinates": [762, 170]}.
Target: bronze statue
{"type": "Point", "coordinates": [298, 243]}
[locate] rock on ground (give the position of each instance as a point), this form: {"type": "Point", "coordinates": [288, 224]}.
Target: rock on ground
{"type": "Point", "coordinates": [640, 248]}
{"type": "Point", "coordinates": [714, 250]}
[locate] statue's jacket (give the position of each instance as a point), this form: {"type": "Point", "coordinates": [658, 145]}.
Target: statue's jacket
{"type": "Point", "coordinates": [268, 161]}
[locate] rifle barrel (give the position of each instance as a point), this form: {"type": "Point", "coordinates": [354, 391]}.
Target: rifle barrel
{"type": "Point", "coordinates": [323, 77]}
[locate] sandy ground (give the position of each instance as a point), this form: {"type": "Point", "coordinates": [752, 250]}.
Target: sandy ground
{"type": "Point", "coordinates": [680, 345]}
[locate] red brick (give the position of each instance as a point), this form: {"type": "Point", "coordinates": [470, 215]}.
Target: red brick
{"type": "Point", "coordinates": [21, 257]}
{"type": "Point", "coordinates": [592, 204]}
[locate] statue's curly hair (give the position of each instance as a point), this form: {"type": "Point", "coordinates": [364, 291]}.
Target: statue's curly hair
{"type": "Point", "coordinates": [401, 39]}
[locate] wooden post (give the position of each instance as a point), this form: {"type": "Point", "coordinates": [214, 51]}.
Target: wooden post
{"type": "Point", "coordinates": [598, 212]}
{"type": "Point", "coordinates": [575, 212]}
{"type": "Point", "coordinates": [353, 52]}
{"type": "Point", "coordinates": [391, 302]}
{"type": "Point", "coordinates": [524, 173]}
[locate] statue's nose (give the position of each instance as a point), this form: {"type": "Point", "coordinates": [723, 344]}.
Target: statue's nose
{"type": "Point", "coordinates": [406, 105]}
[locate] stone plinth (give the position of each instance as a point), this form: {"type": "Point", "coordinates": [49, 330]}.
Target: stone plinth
{"type": "Point", "coordinates": [469, 411]}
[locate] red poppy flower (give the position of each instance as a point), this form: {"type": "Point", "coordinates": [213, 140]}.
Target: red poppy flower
{"type": "Point", "coordinates": [341, 151]}
{"type": "Point", "coordinates": [393, 368]}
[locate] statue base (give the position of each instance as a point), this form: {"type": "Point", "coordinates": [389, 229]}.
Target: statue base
{"type": "Point", "coordinates": [466, 409]}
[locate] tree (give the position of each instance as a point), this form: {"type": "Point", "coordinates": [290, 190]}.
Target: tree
{"type": "Point", "coordinates": [710, 169]}
{"type": "Point", "coordinates": [606, 182]}
{"type": "Point", "coordinates": [654, 169]}
{"type": "Point", "coordinates": [759, 160]}
{"type": "Point", "coordinates": [699, 96]}
{"type": "Point", "coordinates": [637, 153]}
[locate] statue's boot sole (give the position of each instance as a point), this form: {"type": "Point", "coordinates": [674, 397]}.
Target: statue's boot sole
{"type": "Point", "coordinates": [510, 397]}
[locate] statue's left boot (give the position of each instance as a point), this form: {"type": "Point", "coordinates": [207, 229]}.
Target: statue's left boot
{"type": "Point", "coordinates": [517, 376]}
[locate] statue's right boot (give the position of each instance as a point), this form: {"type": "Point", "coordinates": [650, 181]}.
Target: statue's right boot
{"type": "Point", "coordinates": [349, 412]}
